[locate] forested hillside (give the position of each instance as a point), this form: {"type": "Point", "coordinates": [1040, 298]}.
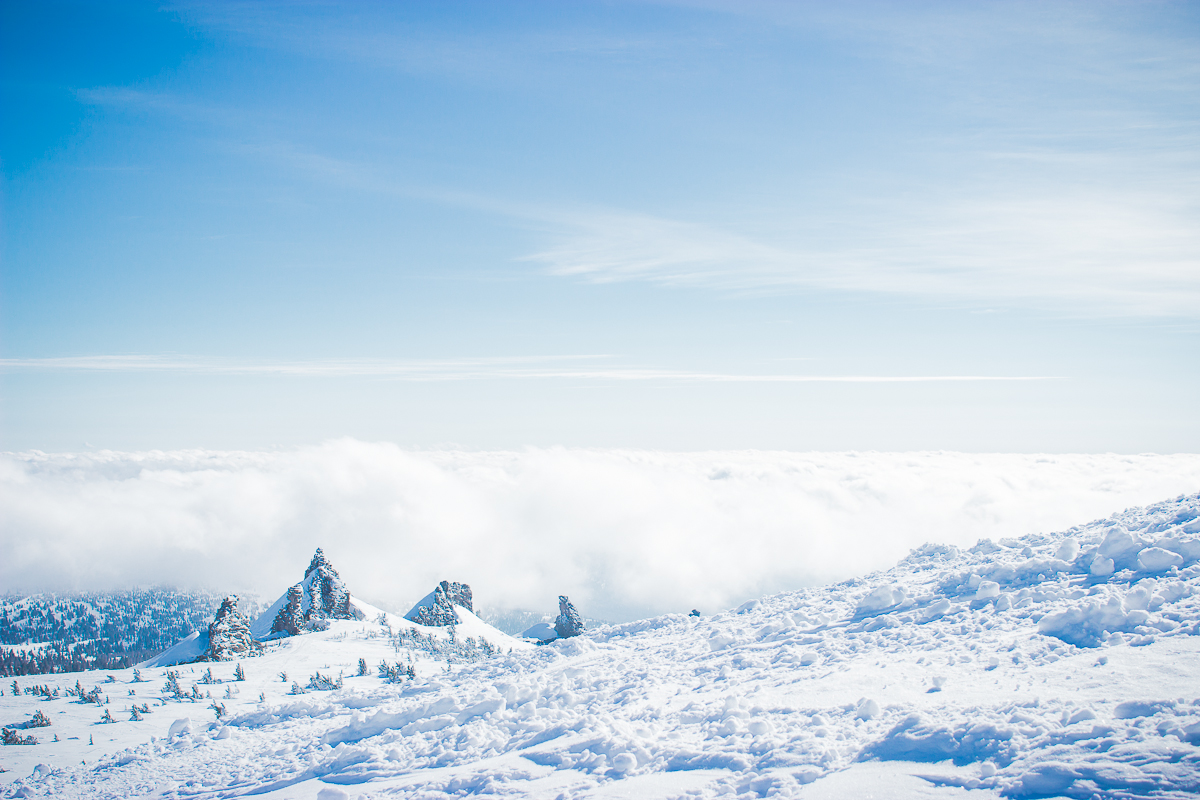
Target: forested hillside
{"type": "Point", "coordinates": [101, 630]}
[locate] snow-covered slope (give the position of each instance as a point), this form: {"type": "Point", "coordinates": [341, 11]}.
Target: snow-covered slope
{"type": "Point", "coordinates": [1056, 665]}
{"type": "Point", "coordinates": [184, 651]}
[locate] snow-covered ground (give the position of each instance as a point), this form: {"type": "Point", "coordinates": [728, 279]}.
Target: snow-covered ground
{"type": "Point", "coordinates": [1063, 664]}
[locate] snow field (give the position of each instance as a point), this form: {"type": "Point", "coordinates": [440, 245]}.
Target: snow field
{"type": "Point", "coordinates": [1015, 669]}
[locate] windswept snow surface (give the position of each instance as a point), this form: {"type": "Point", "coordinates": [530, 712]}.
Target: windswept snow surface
{"type": "Point", "coordinates": [1055, 665]}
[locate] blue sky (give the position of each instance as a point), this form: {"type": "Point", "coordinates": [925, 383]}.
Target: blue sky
{"type": "Point", "coordinates": [666, 225]}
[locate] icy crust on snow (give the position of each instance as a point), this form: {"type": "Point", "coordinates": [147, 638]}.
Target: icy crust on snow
{"type": "Point", "coordinates": [1014, 669]}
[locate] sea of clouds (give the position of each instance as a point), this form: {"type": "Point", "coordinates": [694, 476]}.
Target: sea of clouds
{"type": "Point", "coordinates": [625, 533]}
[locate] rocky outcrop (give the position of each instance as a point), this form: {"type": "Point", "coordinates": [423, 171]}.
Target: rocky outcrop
{"type": "Point", "coordinates": [458, 594]}
{"type": "Point", "coordinates": [569, 623]}
{"type": "Point", "coordinates": [290, 618]}
{"type": "Point", "coordinates": [437, 609]}
{"type": "Point", "coordinates": [310, 604]}
{"type": "Point", "coordinates": [229, 636]}
{"type": "Point", "coordinates": [328, 598]}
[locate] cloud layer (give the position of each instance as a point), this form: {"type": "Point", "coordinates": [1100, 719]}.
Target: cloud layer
{"type": "Point", "coordinates": [626, 533]}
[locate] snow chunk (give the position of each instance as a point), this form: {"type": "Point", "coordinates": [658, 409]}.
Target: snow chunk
{"type": "Point", "coordinates": [987, 590]}
{"type": "Point", "coordinates": [867, 709]}
{"type": "Point", "coordinates": [1132, 709]}
{"type": "Point", "coordinates": [1068, 550]}
{"type": "Point", "coordinates": [1156, 559]}
{"type": "Point", "coordinates": [623, 762]}
{"type": "Point", "coordinates": [719, 641]}
{"type": "Point", "coordinates": [880, 598]}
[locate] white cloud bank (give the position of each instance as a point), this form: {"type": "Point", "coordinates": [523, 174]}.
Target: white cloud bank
{"type": "Point", "coordinates": [625, 533]}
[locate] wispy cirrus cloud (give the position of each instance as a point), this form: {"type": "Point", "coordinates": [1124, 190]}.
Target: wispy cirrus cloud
{"type": "Point", "coordinates": [582, 367]}
{"type": "Point", "coordinates": [1063, 177]}
{"type": "Point", "coordinates": [1079, 253]}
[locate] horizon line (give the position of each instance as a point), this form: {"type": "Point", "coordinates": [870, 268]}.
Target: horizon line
{"type": "Point", "coordinates": [462, 369]}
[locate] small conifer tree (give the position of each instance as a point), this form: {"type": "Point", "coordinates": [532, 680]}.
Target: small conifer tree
{"type": "Point", "coordinates": [239, 674]}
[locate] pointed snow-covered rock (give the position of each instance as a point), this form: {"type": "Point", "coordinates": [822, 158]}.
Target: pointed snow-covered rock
{"type": "Point", "coordinates": [436, 609]}
{"type": "Point", "coordinates": [569, 623]}
{"type": "Point", "coordinates": [327, 595]}
{"type": "Point", "coordinates": [229, 635]}
{"type": "Point", "coordinates": [307, 606]}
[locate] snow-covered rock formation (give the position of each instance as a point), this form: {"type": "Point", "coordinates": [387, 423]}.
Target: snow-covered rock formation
{"type": "Point", "coordinates": [568, 623]}
{"type": "Point", "coordinates": [436, 609]}
{"type": "Point", "coordinates": [229, 635]}
{"type": "Point", "coordinates": [290, 619]}
{"type": "Point", "coordinates": [310, 604]}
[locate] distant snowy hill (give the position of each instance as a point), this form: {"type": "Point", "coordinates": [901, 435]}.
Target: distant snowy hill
{"type": "Point", "coordinates": [1055, 665]}
{"type": "Point", "coordinates": [96, 630]}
